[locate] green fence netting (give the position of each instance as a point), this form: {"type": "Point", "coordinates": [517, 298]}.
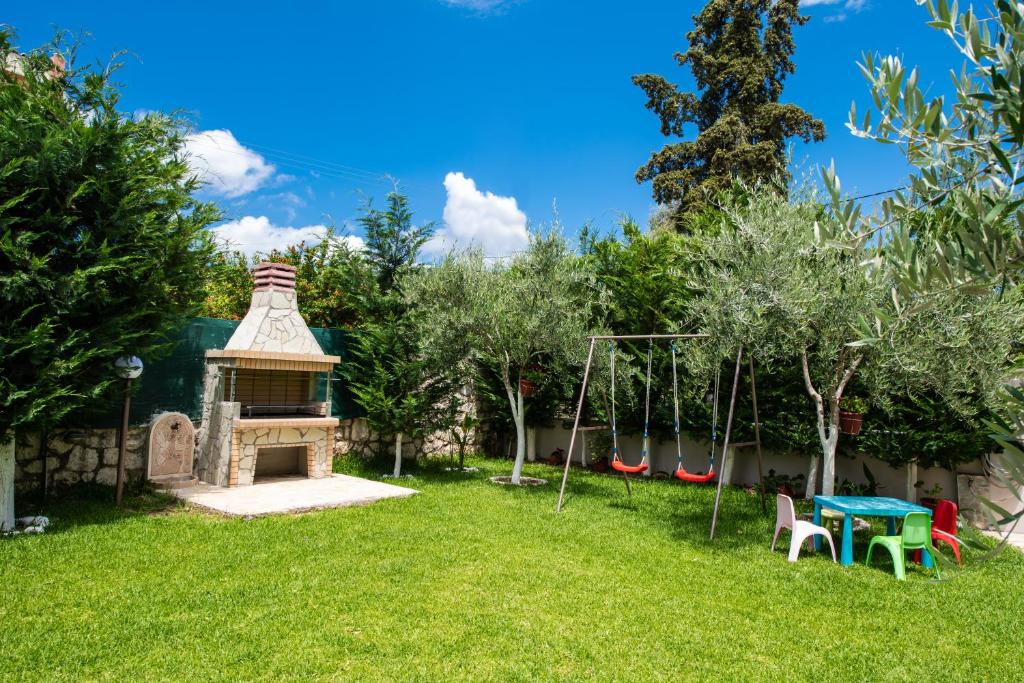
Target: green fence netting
{"type": "Point", "coordinates": [175, 382]}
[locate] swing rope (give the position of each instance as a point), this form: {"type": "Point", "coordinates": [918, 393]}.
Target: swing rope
{"type": "Point", "coordinates": [681, 472]}
{"type": "Point", "coordinates": [617, 462]}
{"type": "Point", "coordinates": [615, 433]}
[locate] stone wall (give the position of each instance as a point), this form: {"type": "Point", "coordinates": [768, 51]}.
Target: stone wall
{"type": "Point", "coordinates": [76, 456]}
{"type": "Point", "coordinates": [354, 437]}
{"type": "Point", "coordinates": [213, 455]}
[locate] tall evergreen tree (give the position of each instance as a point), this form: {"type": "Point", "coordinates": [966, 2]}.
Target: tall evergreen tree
{"type": "Point", "coordinates": [740, 54]}
{"type": "Point", "coordinates": [102, 243]}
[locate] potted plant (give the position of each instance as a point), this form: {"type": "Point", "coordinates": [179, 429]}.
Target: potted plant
{"type": "Point", "coordinates": [931, 496]}
{"type": "Point", "coordinates": [529, 380]}
{"type": "Point", "coordinates": [785, 484]}
{"type": "Point", "coordinates": [851, 415]}
{"type": "Point", "coordinates": [557, 456]}
{"type": "Point", "coordinates": [601, 447]}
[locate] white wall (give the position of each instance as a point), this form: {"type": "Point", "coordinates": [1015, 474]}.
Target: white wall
{"type": "Point", "coordinates": [893, 480]}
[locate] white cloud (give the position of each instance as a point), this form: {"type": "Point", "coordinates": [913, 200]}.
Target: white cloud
{"type": "Point", "coordinates": [229, 168]}
{"type": "Point", "coordinates": [252, 234]}
{"type": "Point", "coordinates": [852, 5]}
{"type": "Point", "coordinates": [481, 6]}
{"type": "Point", "coordinates": [483, 219]}
{"type": "Point", "coordinates": [842, 14]}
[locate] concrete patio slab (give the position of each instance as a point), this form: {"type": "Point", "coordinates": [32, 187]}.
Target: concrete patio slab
{"type": "Point", "coordinates": [290, 494]}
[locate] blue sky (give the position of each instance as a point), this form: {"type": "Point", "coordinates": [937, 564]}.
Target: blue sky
{"type": "Point", "coordinates": [486, 111]}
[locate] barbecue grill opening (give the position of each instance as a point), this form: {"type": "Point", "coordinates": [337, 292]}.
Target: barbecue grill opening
{"type": "Point", "coordinates": [278, 393]}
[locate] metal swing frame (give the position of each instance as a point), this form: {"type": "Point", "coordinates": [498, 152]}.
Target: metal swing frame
{"type": "Point", "coordinates": [728, 425]}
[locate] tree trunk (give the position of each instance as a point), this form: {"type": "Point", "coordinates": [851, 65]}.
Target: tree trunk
{"type": "Point", "coordinates": [515, 399]}
{"type": "Point", "coordinates": [812, 478]}
{"type": "Point", "coordinates": [829, 444]}
{"type": "Point", "coordinates": [531, 444]}
{"type": "Point", "coordinates": [398, 455]}
{"type": "Point", "coordinates": [911, 480]}
{"type": "Point", "coordinates": [7, 482]}
{"type": "Point", "coordinates": [828, 430]}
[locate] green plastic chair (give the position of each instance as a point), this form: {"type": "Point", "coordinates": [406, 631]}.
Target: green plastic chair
{"type": "Point", "coordinates": [916, 535]}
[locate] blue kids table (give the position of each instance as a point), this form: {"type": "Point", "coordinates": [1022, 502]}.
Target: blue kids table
{"type": "Point", "coordinates": [865, 506]}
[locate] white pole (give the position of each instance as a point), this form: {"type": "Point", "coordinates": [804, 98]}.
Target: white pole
{"type": "Point", "coordinates": [7, 482]}
{"type": "Point", "coordinates": [531, 444]}
{"type": "Point", "coordinates": [911, 480]}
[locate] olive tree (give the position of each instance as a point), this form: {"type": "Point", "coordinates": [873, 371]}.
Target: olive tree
{"type": "Point", "coordinates": [513, 314]}
{"type": "Point", "coordinates": [770, 287]}
{"type": "Point", "coordinates": [966, 153]}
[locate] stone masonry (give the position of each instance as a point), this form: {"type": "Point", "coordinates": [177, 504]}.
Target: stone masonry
{"type": "Point", "coordinates": [78, 456]}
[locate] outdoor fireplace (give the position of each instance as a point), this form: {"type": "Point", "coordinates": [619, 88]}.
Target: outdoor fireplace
{"type": "Point", "coordinates": [267, 393]}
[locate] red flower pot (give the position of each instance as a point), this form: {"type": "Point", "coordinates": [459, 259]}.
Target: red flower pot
{"type": "Point", "coordinates": [527, 387]}
{"type": "Point", "coordinates": [850, 422]}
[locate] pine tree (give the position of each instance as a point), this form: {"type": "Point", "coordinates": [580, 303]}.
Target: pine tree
{"type": "Point", "coordinates": [740, 54]}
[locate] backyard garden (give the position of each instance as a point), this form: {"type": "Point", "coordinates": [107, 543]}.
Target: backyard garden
{"type": "Point", "coordinates": [760, 307]}
{"type": "Point", "coordinates": [469, 581]}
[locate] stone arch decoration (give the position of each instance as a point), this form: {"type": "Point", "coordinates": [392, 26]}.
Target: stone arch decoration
{"type": "Point", "coordinates": [171, 446]}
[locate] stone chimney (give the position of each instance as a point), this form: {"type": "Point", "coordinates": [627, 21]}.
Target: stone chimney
{"type": "Point", "coordinates": [273, 322]}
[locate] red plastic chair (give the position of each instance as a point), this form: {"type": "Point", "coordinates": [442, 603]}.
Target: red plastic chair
{"type": "Point", "coordinates": [944, 526]}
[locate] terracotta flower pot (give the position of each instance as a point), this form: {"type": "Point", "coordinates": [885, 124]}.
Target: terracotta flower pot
{"type": "Point", "coordinates": [850, 422]}
{"type": "Point", "coordinates": [527, 387]}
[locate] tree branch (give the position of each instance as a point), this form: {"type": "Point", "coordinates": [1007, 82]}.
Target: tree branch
{"type": "Point", "coordinates": [848, 375]}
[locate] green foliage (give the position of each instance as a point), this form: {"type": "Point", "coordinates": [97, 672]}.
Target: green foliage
{"type": "Point", "coordinates": [392, 241]}
{"type": "Point", "coordinates": [645, 277]}
{"type": "Point", "coordinates": [402, 382]}
{"type": "Point", "coordinates": [854, 404]}
{"type": "Point", "coordinates": [399, 386]}
{"type": "Point", "coordinates": [924, 428]}
{"type": "Point", "coordinates": [740, 53]}
{"type": "Point", "coordinates": [102, 245]}
{"type": "Point", "coordinates": [535, 308]}
{"type": "Point", "coordinates": [870, 486]}
{"type": "Point", "coordinates": [333, 282]}
{"type": "Point", "coordinates": [965, 151]}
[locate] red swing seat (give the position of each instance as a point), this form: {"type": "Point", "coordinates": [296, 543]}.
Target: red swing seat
{"type": "Point", "coordinates": [620, 466]}
{"type": "Point", "coordinates": [683, 475]}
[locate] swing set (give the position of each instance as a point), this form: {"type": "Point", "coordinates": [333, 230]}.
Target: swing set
{"type": "Point", "coordinates": [681, 473]}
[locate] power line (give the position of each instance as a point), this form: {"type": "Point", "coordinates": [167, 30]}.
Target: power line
{"type": "Point", "coordinates": [313, 160]}
{"type": "Point", "coordinates": [310, 164]}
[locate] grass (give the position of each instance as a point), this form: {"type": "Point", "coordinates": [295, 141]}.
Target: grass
{"type": "Point", "coordinates": [472, 581]}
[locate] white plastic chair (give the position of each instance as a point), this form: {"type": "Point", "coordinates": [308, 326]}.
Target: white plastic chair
{"type": "Point", "coordinates": [801, 530]}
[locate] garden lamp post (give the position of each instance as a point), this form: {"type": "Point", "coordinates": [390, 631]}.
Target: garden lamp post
{"type": "Point", "coordinates": [127, 368]}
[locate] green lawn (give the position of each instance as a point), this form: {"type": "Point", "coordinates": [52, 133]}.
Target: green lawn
{"type": "Point", "coordinates": [477, 582]}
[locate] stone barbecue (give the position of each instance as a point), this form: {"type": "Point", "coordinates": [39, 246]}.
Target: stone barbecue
{"type": "Point", "coordinates": [267, 393]}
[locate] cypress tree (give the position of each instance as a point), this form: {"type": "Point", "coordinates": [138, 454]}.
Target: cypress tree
{"type": "Point", "coordinates": [740, 52]}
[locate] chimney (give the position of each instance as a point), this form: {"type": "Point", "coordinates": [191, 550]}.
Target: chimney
{"type": "Point", "coordinates": [273, 276]}
{"type": "Point", "coordinates": [273, 322]}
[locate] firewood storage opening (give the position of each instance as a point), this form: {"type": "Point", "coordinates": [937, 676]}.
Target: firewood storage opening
{"type": "Point", "coordinates": [281, 461]}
